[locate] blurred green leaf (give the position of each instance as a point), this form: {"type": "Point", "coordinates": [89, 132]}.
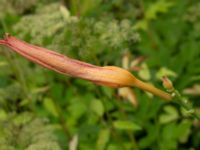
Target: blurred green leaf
{"type": "Point", "coordinates": [165, 72]}
{"type": "Point", "coordinates": [170, 114]}
{"type": "Point", "coordinates": [126, 125]}
{"type": "Point", "coordinates": [161, 6]}
{"type": "Point", "coordinates": [23, 118]}
{"type": "Point", "coordinates": [50, 106]}
{"type": "Point", "coordinates": [174, 132]}
{"type": "Point", "coordinates": [144, 73]}
{"type": "Point", "coordinates": [44, 145]}
{"type": "Point", "coordinates": [97, 107]}
{"type": "Point", "coordinates": [103, 139]}
{"type": "Point", "coordinates": [3, 115]}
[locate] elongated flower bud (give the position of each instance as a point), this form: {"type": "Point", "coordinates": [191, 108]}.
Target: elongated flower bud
{"type": "Point", "coordinates": [109, 75]}
{"type": "Point", "coordinates": [167, 83]}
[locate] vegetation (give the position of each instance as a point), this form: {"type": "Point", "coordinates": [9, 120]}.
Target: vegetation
{"type": "Point", "coordinates": [44, 110]}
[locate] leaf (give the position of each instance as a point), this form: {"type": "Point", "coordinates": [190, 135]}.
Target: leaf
{"type": "Point", "coordinates": [113, 147]}
{"type": "Point", "coordinates": [65, 12]}
{"type": "Point", "coordinates": [174, 132]}
{"type": "Point", "coordinates": [184, 130]}
{"type": "Point", "coordinates": [107, 91]}
{"type": "Point", "coordinates": [165, 72]}
{"type": "Point", "coordinates": [44, 145]}
{"type": "Point", "coordinates": [160, 6]}
{"type": "Point", "coordinates": [3, 63]}
{"type": "Point", "coordinates": [97, 107]}
{"type": "Point", "coordinates": [144, 73]}
{"type": "Point", "coordinates": [170, 115]}
{"type": "Point", "coordinates": [150, 138]}
{"type": "Point", "coordinates": [142, 24]}
{"type": "Point", "coordinates": [103, 139]}
{"type": "Point", "coordinates": [7, 147]}
{"type": "Point", "coordinates": [126, 125]}
{"type": "Point", "coordinates": [23, 118]}
{"type": "Point", "coordinates": [50, 106]}
{"type": "Point", "coordinates": [3, 114]}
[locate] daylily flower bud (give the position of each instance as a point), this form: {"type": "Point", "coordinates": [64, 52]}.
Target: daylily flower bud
{"type": "Point", "coordinates": [109, 75]}
{"type": "Point", "coordinates": [167, 83]}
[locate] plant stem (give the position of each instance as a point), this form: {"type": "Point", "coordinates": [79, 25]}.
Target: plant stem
{"type": "Point", "coordinates": [179, 99]}
{"type": "Point", "coordinates": [149, 88]}
{"type": "Point", "coordinates": [184, 103]}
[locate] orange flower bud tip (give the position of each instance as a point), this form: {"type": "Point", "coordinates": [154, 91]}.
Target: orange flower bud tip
{"type": "Point", "coordinates": [167, 83]}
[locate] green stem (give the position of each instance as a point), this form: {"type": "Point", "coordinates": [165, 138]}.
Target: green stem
{"type": "Point", "coordinates": [184, 103]}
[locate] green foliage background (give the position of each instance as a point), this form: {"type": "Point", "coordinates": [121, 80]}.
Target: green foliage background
{"type": "Point", "coordinates": [43, 110]}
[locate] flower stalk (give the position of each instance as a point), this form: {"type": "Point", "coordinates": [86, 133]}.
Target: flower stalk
{"type": "Point", "coordinates": [177, 98]}
{"type": "Point", "coordinates": [185, 103]}
{"type": "Point", "coordinates": [108, 75]}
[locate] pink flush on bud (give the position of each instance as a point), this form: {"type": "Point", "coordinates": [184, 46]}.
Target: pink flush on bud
{"type": "Point", "coordinates": [167, 83]}
{"type": "Point", "coordinates": [108, 75]}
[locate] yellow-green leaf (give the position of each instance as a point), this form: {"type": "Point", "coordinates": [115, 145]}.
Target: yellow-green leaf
{"type": "Point", "coordinates": [126, 125]}
{"type": "Point", "coordinates": [50, 106]}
